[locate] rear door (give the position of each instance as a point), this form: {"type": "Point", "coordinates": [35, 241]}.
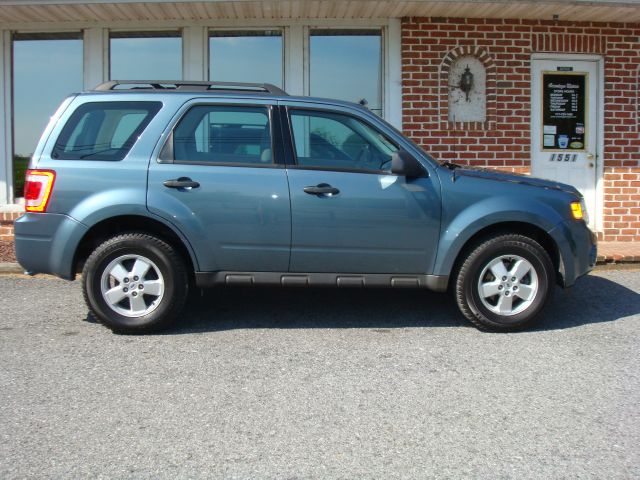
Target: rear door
{"type": "Point", "coordinates": [350, 214]}
{"type": "Point", "coordinates": [220, 179]}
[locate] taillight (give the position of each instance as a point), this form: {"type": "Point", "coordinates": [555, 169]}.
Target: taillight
{"type": "Point", "coordinates": [38, 185]}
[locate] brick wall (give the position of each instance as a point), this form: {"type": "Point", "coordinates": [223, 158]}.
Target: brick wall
{"type": "Point", "coordinates": [6, 225]}
{"type": "Point", "coordinates": [503, 141]}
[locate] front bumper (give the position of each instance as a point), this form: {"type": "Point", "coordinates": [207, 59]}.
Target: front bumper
{"type": "Point", "coordinates": [578, 249]}
{"type": "Point", "coordinates": [47, 242]}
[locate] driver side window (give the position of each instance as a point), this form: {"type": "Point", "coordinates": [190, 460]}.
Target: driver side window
{"type": "Point", "coordinates": [335, 141]}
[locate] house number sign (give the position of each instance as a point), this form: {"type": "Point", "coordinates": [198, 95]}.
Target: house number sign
{"type": "Point", "coordinates": [564, 106]}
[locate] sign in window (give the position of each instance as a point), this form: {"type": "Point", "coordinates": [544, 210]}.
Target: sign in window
{"type": "Point", "coordinates": [564, 107]}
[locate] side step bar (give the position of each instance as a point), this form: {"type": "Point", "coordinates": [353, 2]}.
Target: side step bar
{"type": "Point", "coordinates": [345, 280]}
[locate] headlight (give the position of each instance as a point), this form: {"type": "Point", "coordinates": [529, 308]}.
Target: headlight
{"type": "Point", "coordinates": [579, 210]}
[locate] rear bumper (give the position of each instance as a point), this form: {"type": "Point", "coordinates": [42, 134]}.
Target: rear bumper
{"type": "Point", "coordinates": [46, 243]}
{"type": "Point", "coordinates": [578, 249]}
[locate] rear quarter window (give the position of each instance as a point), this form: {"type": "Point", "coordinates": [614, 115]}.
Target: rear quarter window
{"type": "Point", "coordinates": [103, 130]}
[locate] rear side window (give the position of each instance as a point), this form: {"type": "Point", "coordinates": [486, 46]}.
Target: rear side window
{"type": "Point", "coordinates": [223, 134]}
{"type": "Point", "coordinates": [103, 130]}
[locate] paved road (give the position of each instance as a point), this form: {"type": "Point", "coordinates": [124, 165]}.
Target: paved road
{"type": "Point", "coordinates": [321, 384]}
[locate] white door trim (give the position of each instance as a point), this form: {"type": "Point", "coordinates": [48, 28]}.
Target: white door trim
{"type": "Point", "coordinates": [598, 215]}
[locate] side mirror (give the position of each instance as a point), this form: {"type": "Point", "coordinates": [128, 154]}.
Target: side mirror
{"type": "Point", "coordinates": [403, 163]}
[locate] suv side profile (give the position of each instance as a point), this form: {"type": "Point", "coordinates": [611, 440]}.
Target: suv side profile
{"type": "Point", "coordinates": [152, 188]}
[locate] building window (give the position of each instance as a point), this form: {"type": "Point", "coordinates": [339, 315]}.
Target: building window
{"type": "Point", "coordinates": [145, 55]}
{"type": "Point", "coordinates": [347, 65]}
{"type": "Point", "coordinates": [246, 56]}
{"type": "Point", "coordinates": [47, 67]}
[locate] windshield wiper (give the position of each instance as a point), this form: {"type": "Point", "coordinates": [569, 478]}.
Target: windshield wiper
{"type": "Point", "coordinates": [450, 165]}
{"type": "Point", "coordinates": [97, 152]}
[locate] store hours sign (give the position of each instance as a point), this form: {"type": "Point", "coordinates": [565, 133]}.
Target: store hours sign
{"type": "Point", "coordinates": [564, 107]}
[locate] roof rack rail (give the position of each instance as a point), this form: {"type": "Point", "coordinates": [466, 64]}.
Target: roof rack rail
{"type": "Point", "coordinates": [187, 85]}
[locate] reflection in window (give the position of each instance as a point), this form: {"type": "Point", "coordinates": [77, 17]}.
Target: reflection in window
{"type": "Point", "coordinates": [145, 55]}
{"type": "Point", "coordinates": [46, 68]}
{"type": "Point", "coordinates": [346, 64]}
{"type": "Point", "coordinates": [220, 134]}
{"type": "Point", "coordinates": [103, 130]}
{"type": "Point", "coordinates": [246, 56]}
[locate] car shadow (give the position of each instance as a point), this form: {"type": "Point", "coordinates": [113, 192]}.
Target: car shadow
{"type": "Point", "coordinates": [593, 300]}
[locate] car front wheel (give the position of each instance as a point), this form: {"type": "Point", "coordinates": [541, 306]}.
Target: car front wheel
{"type": "Point", "coordinates": [505, 282]}
{"type": "Point", "coordinates": [135, 283]}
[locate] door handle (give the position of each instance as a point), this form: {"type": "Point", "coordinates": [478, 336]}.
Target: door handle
{"type": "Point", "coordinates": [182, 182]}
{"type": "Point", "coordinates": [321, 189]}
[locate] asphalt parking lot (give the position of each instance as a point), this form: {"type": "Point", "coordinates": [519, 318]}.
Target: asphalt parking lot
{"type": "Point", "coordinates": [321, 384]}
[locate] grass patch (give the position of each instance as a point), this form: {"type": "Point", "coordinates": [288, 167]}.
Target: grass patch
{"type": "Point", "coordinates": [20, 164]}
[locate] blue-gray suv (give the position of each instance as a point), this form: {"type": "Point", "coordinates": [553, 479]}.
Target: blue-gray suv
{"type": "Point", "coordinates": [152, 188]}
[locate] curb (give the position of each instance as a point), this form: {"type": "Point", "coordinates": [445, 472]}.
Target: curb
{"type": "Point", "coordinates": [8, 267]}
{"type": "Point", "coordinates": [616, 259]}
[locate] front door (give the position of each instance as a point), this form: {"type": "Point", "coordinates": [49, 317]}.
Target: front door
{"type": "Point", "coordinates": [564, 124]}
{"type": "Point", "coordinates": [349, 214]}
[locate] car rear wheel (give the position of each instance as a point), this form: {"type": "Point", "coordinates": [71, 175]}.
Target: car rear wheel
{"type": "Point", "coordinates": [135, 283]}
{"type": "Point", "coordinates": [505, 282]}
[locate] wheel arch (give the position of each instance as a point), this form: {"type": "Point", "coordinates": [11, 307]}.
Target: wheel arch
{"type": "Point", "coordinates": [526, 229]}
{"type": "Point", "coordinates": [116, 225]}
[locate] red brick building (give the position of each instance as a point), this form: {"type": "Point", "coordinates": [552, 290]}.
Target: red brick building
{"type": "Point", "coordinates": [508, 48]}
{"type": "Point", "coordinates": [553, 88]}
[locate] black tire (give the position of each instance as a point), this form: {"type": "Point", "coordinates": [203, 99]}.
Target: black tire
{"type": "Point", "coordinates": [467, 289]}
{"type": "Point", "coordinates": [174, 278]}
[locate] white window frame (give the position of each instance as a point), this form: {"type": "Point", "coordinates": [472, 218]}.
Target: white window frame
{"type": "Point", "coordinates": [6, 120]}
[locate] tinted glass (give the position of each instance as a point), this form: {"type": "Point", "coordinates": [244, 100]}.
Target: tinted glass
{"type": "Point", "coordinates": [346, 65]}
{"type": "Point", "coordinates": [103, 130]}
{"type": "Point", "coordinates": [335, 141]}
{"type": "Point", "coordinates": [246, 57]}
{"type": "Point", "coordinates": [59, 59]}
{"type": "Point", "coordinates": [219, 134]}
{"type": "Point", "coordinates": [145, 56]}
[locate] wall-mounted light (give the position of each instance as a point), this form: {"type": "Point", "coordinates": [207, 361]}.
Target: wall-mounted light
{"type": "Point", "coordinates": [466, 82]}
